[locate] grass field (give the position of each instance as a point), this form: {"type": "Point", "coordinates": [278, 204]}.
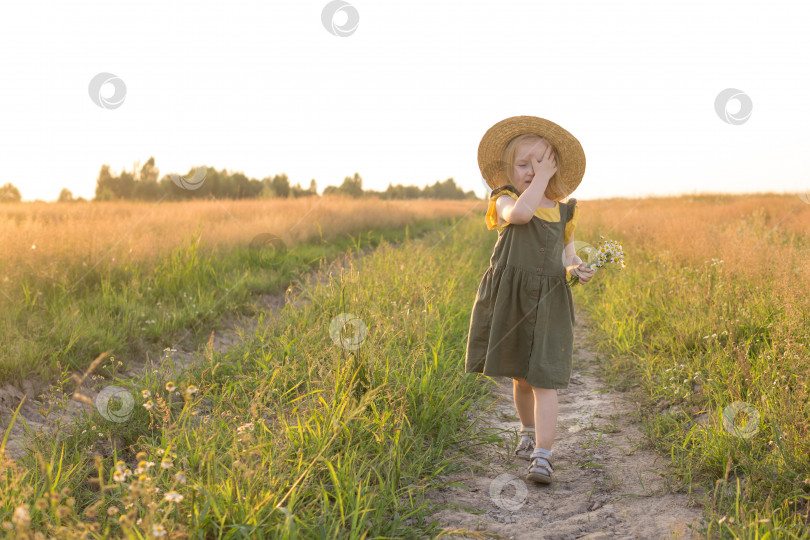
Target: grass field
{"type": "Point", "coordinates": [292, 434]}
{"type": "Point", "coordinates": [712, 309]}
{"type": "Point", "coordinates": [80, 279]}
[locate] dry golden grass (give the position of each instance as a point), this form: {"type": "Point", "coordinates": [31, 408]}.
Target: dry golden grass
{"type": "Point", "coordinates": [740, 229]}
{"type": "Point", "coordinates": [47, 238]}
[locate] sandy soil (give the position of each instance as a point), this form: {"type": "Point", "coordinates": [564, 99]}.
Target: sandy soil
{"type": "Point", "coordinates": [614, 488]}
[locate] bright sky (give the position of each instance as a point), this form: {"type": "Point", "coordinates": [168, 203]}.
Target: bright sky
{"type": "Point", "coordinates": [263, 88]}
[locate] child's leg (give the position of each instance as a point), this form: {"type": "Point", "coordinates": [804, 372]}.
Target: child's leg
{"type": "Point", "coordinates": [545, 416]}
{"type": "Point", "coordinates": [524, 401]}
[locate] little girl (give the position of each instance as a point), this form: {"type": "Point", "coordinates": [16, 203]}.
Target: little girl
{"type": "Point", "coordinates": [522, 322]}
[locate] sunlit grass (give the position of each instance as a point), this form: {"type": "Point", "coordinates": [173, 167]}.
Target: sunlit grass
{"type": "Point", "coordinates": [290, 434]}
{"type": "Point", "coordinates": [713, 309]}
{"type": "Point", "coordinates": [80, 279]}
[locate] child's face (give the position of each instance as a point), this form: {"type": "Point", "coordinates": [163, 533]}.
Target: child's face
{"type": "Point", "coordinates": [523, 172]}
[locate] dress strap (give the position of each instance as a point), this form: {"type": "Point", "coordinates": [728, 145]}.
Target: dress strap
{"type": "Point", "coordinates": [505, 187]}
{"type": "Point", "coordinates": [570, 209]}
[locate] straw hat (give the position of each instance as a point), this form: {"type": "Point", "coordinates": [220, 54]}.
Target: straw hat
{"type": "Point", "coordinates": [570, 161]}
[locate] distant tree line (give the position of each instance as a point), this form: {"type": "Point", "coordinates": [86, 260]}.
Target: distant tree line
{"type": "Point", "coordinates": [143, 185]}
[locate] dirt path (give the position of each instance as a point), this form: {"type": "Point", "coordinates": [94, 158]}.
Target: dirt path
{"type": "Point", "coordinates": [610, 489]}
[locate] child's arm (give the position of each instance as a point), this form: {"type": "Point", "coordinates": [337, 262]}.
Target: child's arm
{"type": "Point", "coordinates": [573, 262]}
{"type": "Point", "coordinates": [571, 257]}
{"type": "Point", "coordinates": [505, 207]}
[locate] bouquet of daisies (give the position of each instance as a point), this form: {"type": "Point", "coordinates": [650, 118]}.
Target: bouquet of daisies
{"type": "Point", "coordinates": [608, 252]}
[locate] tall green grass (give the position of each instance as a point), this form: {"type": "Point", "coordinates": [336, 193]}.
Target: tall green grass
{"type": "Point", "coordinates": [48, 327]}
{"type": "Point", "coordinates": [716, 317]}
{"type": "Point", "coordinates": [290, 434]}
{"type": "Point", "coordinates": [344, 442]}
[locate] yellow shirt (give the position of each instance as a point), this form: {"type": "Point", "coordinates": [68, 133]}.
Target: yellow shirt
{"type": "Point", "coordinates": [547, 214]}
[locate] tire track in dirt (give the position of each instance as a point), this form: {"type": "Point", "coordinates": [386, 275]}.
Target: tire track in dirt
{"type": "Point", "coordinates": [608, 487]}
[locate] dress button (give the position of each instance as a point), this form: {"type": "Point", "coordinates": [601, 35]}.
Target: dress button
{"type": "Point", "coordinates": [542, 249]}
{"type": "Point", "coordinates": [534, 293]}
{"type": "Point", "coordinates": [544, 225]}
{"type": "Point", "coordinates": [539, 269]}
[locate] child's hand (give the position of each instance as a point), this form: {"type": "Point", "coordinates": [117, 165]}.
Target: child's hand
{"type": "Point", "coordinates": [545, 169]}
{"type": "Point", "coordinates": [584, 273]}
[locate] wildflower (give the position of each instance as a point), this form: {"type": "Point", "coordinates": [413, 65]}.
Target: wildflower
{"type": "Point", "coordinates": [172, 496]}
{"type": "Point", "coordinates": [158, 530]}
{"type": "Point", "coordinates": [166, 464]}
{"type": "Point", "coordinates": [112, 510]}
{"type": "Point", "coordinates": [148, 405]}
{"type": "Point", "coordinates": [119, 476]}
{"type": "Point", "coordinates": [170, 386]}
{"type": "Point", "coordinates": [41, 504]}
{"type": "Point", "coordinates": [62, 511]}
{"type": "Point", "coordinates": [146, 394]}
{"type": "Point", "coordinates": [191, 389]}
{"type": "Point", "coordinates": [242, 428]}
{"type": "Point", "coordinates": [21, 517]}
{"type": "Point", "coordinates": [608, 252]}
{"type": "Point", "coordinates": [180, 477]}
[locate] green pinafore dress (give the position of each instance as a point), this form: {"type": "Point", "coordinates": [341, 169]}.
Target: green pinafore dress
{"type": "Point", "coordinates": [522, 321]}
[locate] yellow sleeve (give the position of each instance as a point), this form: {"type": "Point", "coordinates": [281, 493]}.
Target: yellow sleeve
{"type": "Point", "coordinates": [491, 219]}
{"type": "Point", "coordinates": [571, 225]}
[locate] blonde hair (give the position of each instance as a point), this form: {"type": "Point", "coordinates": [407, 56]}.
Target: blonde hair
{"type": "Point", "coordinates": [510, 150]}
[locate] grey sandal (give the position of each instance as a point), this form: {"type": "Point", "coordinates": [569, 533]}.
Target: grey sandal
{"type": "Point", "coordinates": [526, 446]}
{"type": "Point", "coordinates": [540, 467]}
